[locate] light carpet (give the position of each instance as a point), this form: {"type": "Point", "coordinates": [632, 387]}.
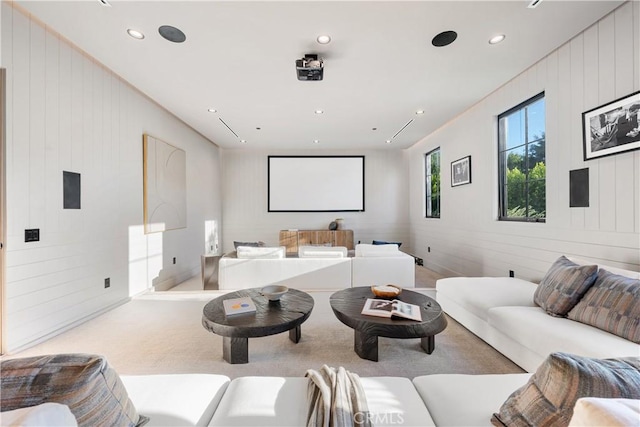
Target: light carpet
{"type": "Point", "coordinates": [158, 333]}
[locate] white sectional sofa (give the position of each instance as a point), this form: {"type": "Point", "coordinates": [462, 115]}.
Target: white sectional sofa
{"type": "Point", "coordinates": [316, 267]}
{"type": "Point", "coordinates": [501, 311]}
{"type": "Point", "coordinates": [214, 400]}
{"type": "Point", "coordinates": [429, 400]}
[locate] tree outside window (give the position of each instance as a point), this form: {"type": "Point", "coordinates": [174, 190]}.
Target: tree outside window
{"type": "Point", "coordinates": [432, 183]}
{"type": "Point", "coordinates": [521, 140]}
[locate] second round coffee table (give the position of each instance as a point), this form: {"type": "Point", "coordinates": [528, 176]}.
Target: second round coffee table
{"type": "Point", "coordinates": [270, 318]}
{"type": "Point", "coordinates": [347, 306]}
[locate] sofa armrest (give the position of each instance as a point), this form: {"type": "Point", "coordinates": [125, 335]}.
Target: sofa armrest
{"type": "Point", "coordinates": [176, 400]}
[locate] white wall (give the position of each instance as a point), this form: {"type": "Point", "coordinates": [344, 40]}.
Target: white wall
{"type": "Point", "coordinates": [597, 66]}
{"type": "Point", "coordinates": [67, 112]}
{"type": "Point", "coordinates": [245, 216]}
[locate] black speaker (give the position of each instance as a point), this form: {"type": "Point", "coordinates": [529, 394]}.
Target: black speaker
{"type": "Point", "coordinates": [71, 190]}
{"type": "Point", "coordinates": [579, 188]}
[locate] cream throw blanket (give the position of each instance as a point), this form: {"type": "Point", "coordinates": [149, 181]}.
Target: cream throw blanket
{"type": "Point", "coordinates": [336, 399]}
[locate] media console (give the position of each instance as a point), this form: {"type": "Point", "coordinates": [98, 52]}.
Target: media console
{"type": "Point", "coordinates": [292, 239]}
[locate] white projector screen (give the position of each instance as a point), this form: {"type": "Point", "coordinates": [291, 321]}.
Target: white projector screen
{"type": "Point", "coordinates": [315, 183]}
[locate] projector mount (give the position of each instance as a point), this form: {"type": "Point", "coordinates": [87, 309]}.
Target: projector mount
{"type": "Point", "coordinates": [310, 67]}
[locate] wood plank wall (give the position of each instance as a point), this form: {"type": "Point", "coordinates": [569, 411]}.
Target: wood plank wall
{"type": "Point", "coordinates": [67, 112]}
{"type": "Point", "coordinates": [597, 66]}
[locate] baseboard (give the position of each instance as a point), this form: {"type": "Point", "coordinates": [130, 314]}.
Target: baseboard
{"type": "Point", "coordinates": [67, 327]}
{"type": "Point", "coordinates": [171, 282]}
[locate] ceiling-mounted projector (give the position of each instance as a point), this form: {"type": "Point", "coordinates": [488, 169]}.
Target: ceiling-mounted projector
{"type": "Point", "coordinates": [309, 67]}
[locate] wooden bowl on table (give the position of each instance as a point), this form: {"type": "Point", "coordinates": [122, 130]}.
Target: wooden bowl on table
{"type": "Point", "coordinates": [386, 291]}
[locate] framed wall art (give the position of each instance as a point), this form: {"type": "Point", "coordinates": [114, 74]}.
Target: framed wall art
{"type": "Point", "coordinates": [461, 171]}
{"type": "Point", "coordinates": [612, 128]}
{"type": "Point", "coordinates": [165, 186]}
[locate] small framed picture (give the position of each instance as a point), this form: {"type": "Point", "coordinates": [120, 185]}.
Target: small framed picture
{"type": "Point", "coordinates": [461, 171]}
{"type": "Point", "coordinates": [612, 128]}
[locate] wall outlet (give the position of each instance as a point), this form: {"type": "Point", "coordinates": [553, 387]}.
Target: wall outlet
{"type": "Point", "coordinates": [511, 273]}
{"type": "Point", "coordinates": [174, 260]}
{"type": "Point", "coordinates": [32, 235]}
{"type": "Point", "coordinates": [107, 282]}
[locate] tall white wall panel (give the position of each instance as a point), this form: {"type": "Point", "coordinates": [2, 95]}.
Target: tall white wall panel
{"type": "Point", "coordinates": [597, 66]}
{"type": "Point", "coordinates": [67, 112]}
{"type": "Point", "coordinates": [245, 216]}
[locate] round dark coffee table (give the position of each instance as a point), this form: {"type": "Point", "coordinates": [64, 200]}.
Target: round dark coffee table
{"type": "Point", "coordinates": [270, 318]}
{"type": "Point", "coordinates": [347, 306]}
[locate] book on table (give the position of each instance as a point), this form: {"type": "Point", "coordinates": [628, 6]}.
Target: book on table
{"type": "Point", "coordinates": [238, 306]}
{"type": "Point", "coordinates": [391, 309]}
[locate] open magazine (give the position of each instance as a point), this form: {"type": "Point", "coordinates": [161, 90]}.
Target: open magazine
{"type": "Point", "coordinates": [391, 309]}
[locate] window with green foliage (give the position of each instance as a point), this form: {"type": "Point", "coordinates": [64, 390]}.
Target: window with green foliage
{"type": "Point", "coordinates": [432, 183]}
{"type": "Point", "coordinates": [521, 150]}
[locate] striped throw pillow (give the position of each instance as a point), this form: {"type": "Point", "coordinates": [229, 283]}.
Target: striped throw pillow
{"type": "Point", "coordinates": [613, 305]}
{"type": "Point", "coordinates": [563, 286]}
{"type": "Point", "coordinates": [85, 383]}
{"type": "Point", "coordinates": [550, 395]}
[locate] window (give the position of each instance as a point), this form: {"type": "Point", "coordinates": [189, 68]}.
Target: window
{"type": "Point", "coordinates": [522, 170]}
{"type": "Point", "coordinates": [432, 183]}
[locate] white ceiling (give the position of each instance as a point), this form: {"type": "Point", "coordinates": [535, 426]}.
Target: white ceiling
{"type": "Point", "coordinates": [239, 58]}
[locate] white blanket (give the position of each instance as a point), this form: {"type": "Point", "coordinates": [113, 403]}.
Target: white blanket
{"type": "Point", "coordinates": [336, 399]}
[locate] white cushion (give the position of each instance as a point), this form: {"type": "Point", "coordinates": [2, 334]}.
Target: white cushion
{"type": "Point", "coordinates": [479, 294]}
{"type": "Point", "coordinates": [278, 401]}
{"type": "Point", "coordinates": [268, 252]}
{"type": "Point", "coordinates": [597, 412]}
{"type": "Point", "coordinates": [176, 400]}
{"type": "Point", "coordinates": [322, 252]}
{"type": "Point", "coordinates": [47, 414]}
{"type": "Point", "coordinates": [393, 401]}
{"type": "Point", "coordinates": [262, 401]}
{"type": "Point", "coordinates": [544, 334]}
{"type": "Point", "coordinates": [368, 250]}
{"type": "Point", "coordinates": [466, 400]}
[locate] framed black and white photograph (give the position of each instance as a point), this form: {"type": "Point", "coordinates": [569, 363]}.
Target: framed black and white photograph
{"type": "Point", "coordinates": [612, 128]}
{"type": "Point", "coordinates": [461, 171]}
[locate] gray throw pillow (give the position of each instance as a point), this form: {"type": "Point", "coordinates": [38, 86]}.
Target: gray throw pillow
{"type": "Point", "coordinates": [548, 398]}
{"type": "Point", "coordinates": [85, 383]}
{"type": "Point", "coordinates": [563, 285]}
{"type": "Point", "coordinates": [613, 305]}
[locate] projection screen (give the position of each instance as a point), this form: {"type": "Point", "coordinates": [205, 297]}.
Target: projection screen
{"type": "Point", "coordinates": [315, 184]}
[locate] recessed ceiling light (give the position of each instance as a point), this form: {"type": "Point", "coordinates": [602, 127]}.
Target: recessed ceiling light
{"type": "Point", "coordinates": [388, 141]}
{"type": "Point", "coordinates": [324, 39]}
{"type": "Point", "coordinates": [315, 141]}
{"type": "Point", "coordinates": [374, 128]}
{"type": "Point", "coordinates": [244, 141]}
{"type": "Point", "coordinates": [135, 34]}
{"type": "Point", "coordinates": [445, 38]}
{"type": "Point", "coordinates": [212, 110]}
{"type": "Point", "coordinates": [420, 112]}
{"type": "Point", "coordinates": [497, 39]}
{"type": "Point", "coordinates": [172, 34]}
{"type": "Point", "coordinates": [319, 111]}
